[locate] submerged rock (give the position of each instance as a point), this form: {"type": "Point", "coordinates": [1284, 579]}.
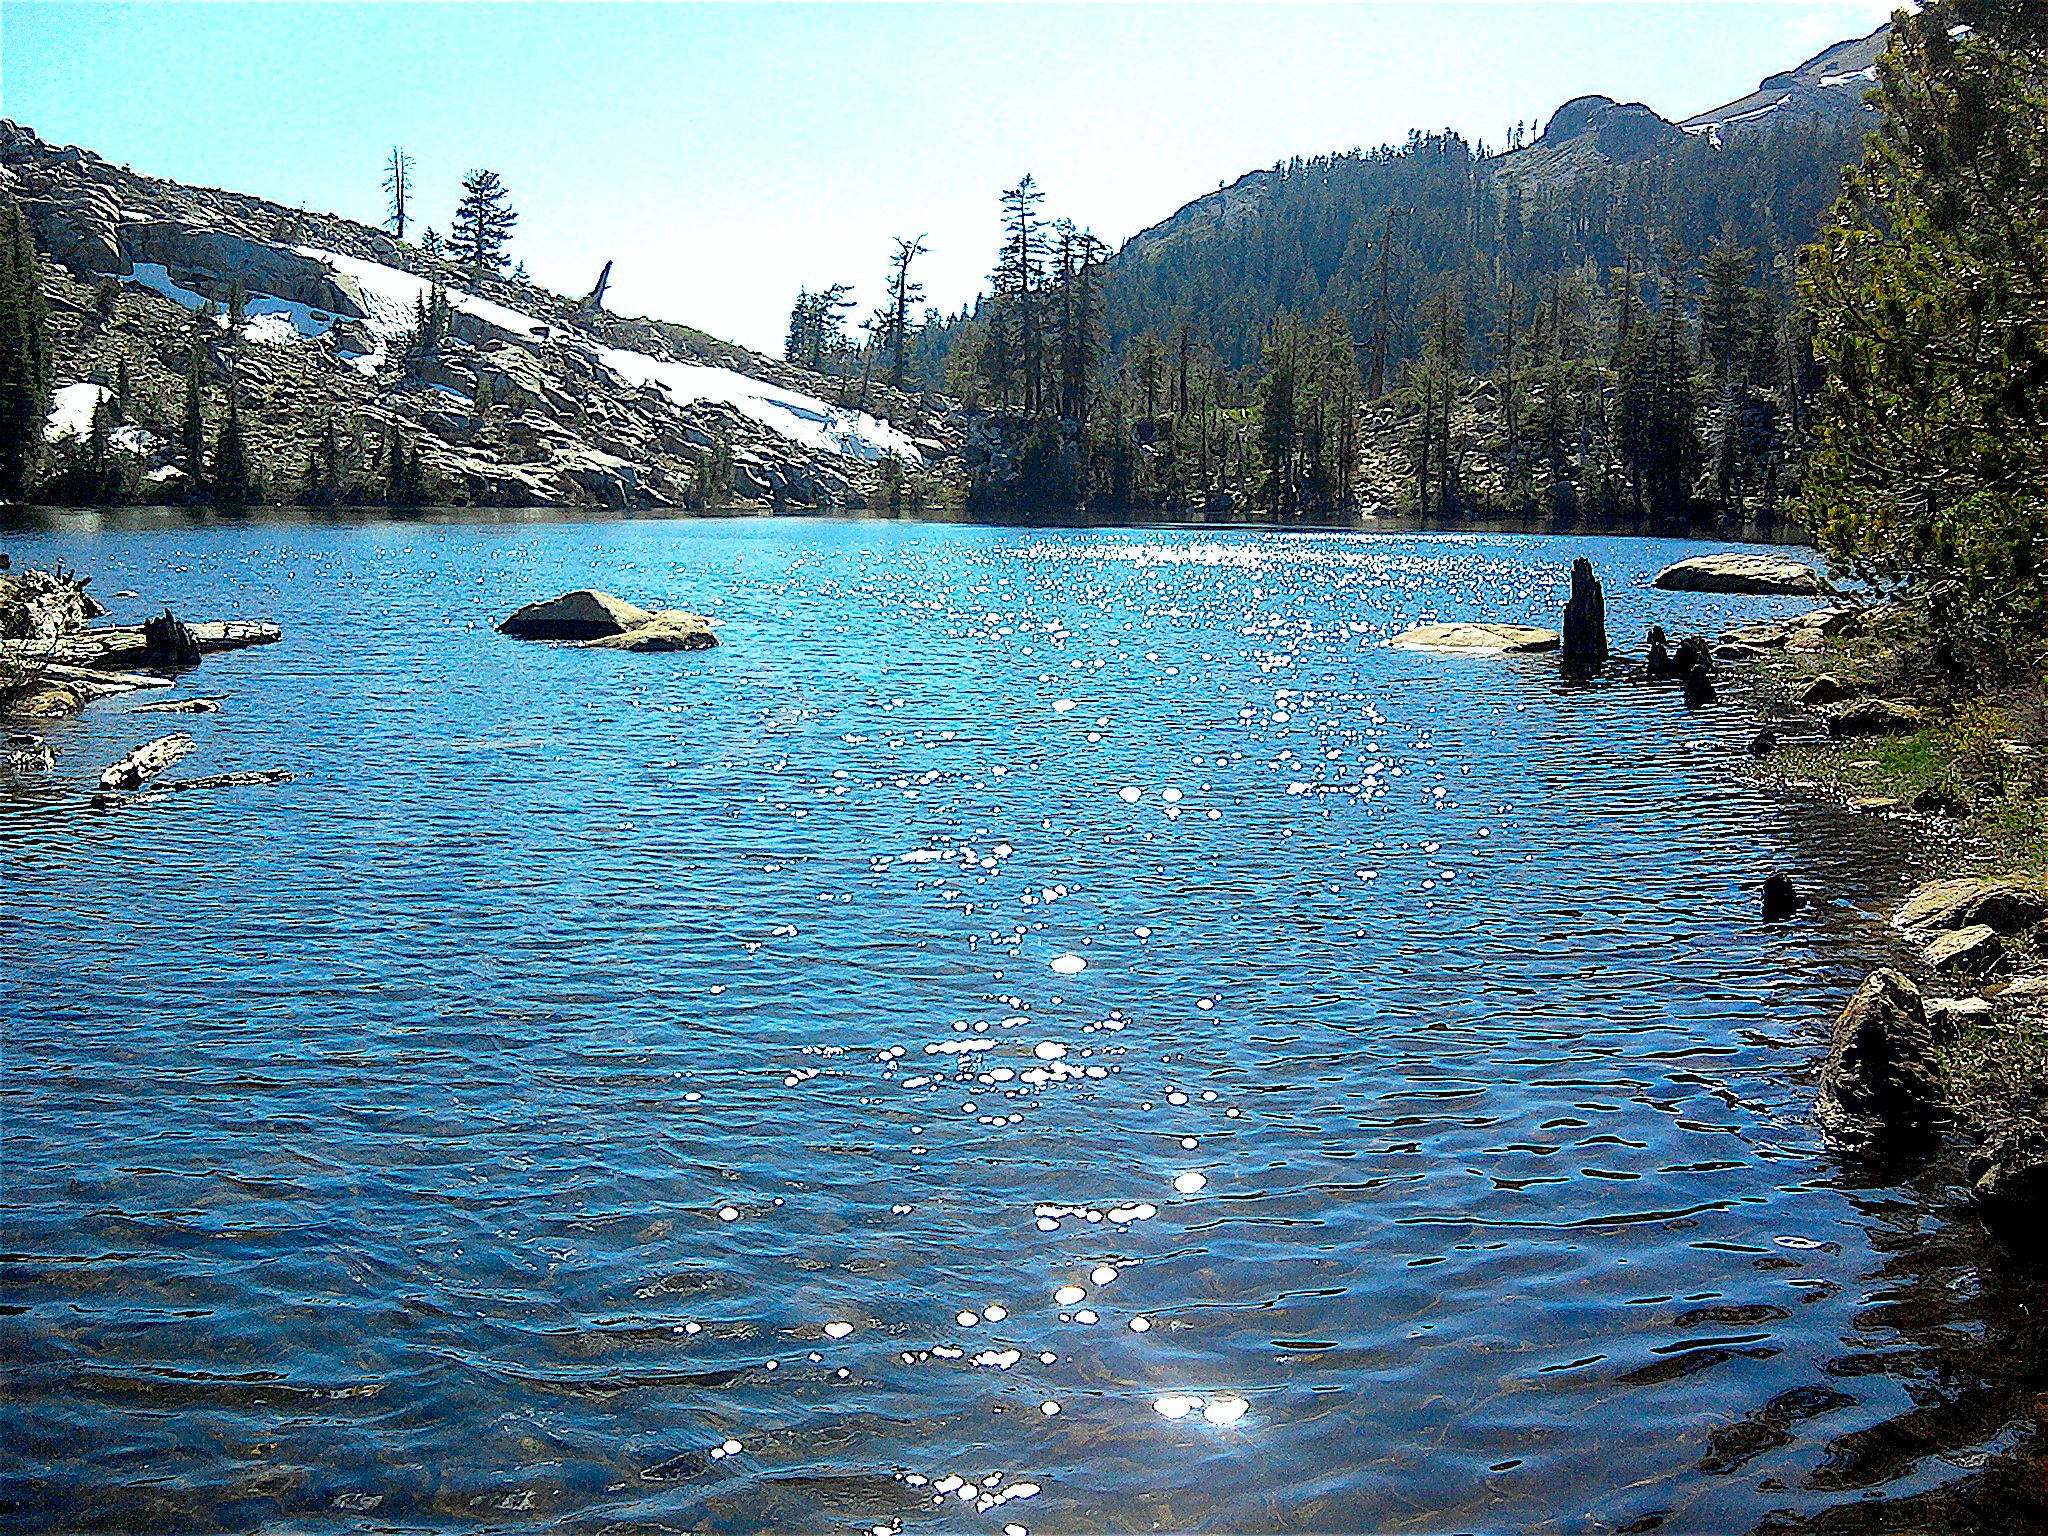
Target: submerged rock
{"type": "Point", "coordinates": [1880, 1088]}
{"type": "Point", "coordinates": [2003, 905]}
{"type": "Point", "coordinates": [1476, 639]}
{"type": "Point", "coordinates": [584, 614]}
{"type": "Point", "coordinates": [1781, 898]}
{"type": "Point", "coordinates": [1739, 573]}
{"type": "Point", "coordinates": [1585, 620]}
{"type": "Point", "coordinates": [671, 629]}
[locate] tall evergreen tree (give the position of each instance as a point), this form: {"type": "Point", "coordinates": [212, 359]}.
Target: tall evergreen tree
{"type": "Point", "coordinates": [24, 352]}
{"type": "Point", "coordinates": [192, 423]}
{"type": "Point", "coordinates": [483, 223]}
{"type": "Point", "coordinates": [230, 479]}
{"type": "Point", "coordinates": [1929, 294]}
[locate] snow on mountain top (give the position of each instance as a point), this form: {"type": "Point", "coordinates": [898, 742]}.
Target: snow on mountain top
{"type": "Point", "coordinates": [391, 294]}
{"type": "Point", "coordinates": [390, 297]}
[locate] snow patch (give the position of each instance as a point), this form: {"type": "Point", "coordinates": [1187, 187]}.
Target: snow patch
{"type": "Point", "coordinates": [1868, 73]}
{"type": "Point", "coordinates": [391, 296]}
{"type": "Point", "coordinates": [267, 319]}
{"type": "Point", "coordinates": [71, 409]}
{"type": "Point", "coordinates": [798, 417]}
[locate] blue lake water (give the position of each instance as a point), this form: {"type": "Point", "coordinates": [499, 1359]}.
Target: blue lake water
{"type": "Point", "coordinates": [1040, 1030]}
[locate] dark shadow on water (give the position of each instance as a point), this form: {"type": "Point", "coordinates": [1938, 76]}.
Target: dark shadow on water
{"type": "Point", "coordinates": [1772, 530]}
{"type": "Point", "coordinates": [1958, 1318]}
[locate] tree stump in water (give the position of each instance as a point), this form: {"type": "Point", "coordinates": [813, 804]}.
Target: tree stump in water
{"type": "Point", "coordinates": [1694, 668]}
{"type": "Point", "coordinates": [168, 642]}
{"type": "Point", "coordinates": [1585, 621]}
{"type": "Point", "coordinates": [1658, 666]}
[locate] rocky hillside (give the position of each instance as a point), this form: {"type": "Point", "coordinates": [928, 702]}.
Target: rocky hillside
{"type": "Point", "coordinates": [531, 398]}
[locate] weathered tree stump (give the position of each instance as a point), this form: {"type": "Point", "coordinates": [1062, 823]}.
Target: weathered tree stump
{"type": "Point", "coordinates": [1693, 665]}
{"type": "Point", "coordinates": [167, 642]}
{"type": "Point", "coordinates": [1658, 666]}
{"type": "Point", "coordinates": [1585, 621]}
{"type": "Point", "coordinates": [1781, 898]}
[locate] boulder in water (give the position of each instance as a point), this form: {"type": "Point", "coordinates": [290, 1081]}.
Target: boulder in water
{"type": "Point", "coordinates": [1740, 573]}
{"type": "Point", "coordinates": [584, 614]}
{"type": "Point", "coordinates": [671, 629]}
{"type": "Point", "coordinates": [1476, 639]}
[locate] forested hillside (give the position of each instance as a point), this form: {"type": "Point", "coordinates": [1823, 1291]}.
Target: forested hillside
{"type": "Point", "coordinates": [1602, 322]}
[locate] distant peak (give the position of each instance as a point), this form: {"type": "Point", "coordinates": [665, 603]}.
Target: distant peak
{"type": "Point", "coordinates": [1576, 116]}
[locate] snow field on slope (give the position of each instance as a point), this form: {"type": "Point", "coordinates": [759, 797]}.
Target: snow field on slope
{"type": "Point", "coordinates": [391, 295]}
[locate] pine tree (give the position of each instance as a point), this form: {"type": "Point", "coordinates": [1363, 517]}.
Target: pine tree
{"type": "Point", "coordinates": [1020, 269]}
{"type": "Point", "coordinates": [483, 223]}
{"type": "Point", "coordinates": [230, 479]}
{"type": "Point", "coordinates": [24, 352]}
{"type": "Point", "coordinates": [1929, 295]}
{"type": "Point", "coordinates": [192, 426]}
{"type": "Point", "coordinates": [397, 189]}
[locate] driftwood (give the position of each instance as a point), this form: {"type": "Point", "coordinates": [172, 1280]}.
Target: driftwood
{"type": "Point", "coordinates": [107, 800]}
{"type": "Point", "coordinates": [146, 762]}
{"type": "Point", "coordinates": [227, 780]}
{"type": "Point", "coordinates": [128, 645]}
{"type": "Point", "coordinates": [99, 685]}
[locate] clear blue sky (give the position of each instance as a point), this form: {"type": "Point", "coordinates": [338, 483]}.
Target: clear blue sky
{"type": "Point", "coordinates": [725, 154]}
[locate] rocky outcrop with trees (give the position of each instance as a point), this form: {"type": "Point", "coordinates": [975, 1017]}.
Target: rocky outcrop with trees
{"type": "Point", "coordinates": [282, 385]}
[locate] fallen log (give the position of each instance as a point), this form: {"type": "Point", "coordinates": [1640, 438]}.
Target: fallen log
{"type": "Point", "coordinates": [127, 645]}
{"type": "Point", "coordinates": [108, 800]}
{"type": "Point", "coordinates": [146, 762]}
{"type": "Point", "coordinates": [102, 684]}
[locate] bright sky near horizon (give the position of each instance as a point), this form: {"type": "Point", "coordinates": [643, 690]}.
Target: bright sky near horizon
{"type": "Point", "coordinates": [725, 154]}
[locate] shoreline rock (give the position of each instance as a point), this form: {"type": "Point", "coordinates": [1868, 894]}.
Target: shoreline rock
{"type": "Point", "coordinates": [1881, 1087]}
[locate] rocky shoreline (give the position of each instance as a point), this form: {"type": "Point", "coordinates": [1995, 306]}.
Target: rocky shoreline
{"type": "Point", "coordinates": [1947, 1049]}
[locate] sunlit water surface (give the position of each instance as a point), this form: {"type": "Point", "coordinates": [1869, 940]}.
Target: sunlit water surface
{"type": "Point", "coordinates": [1041, 1031]}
